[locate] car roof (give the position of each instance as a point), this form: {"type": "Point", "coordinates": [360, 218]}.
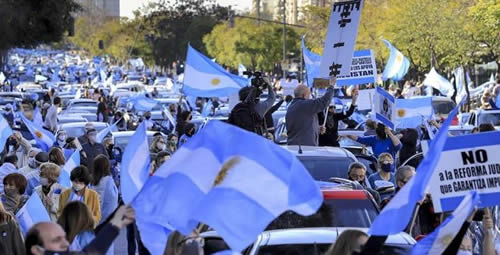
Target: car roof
{"type": "Point", "coordinates": [82, 124]}
{"type": "Point", "coordinates": [84, 100]}
{"type": "Point", "coordinates": [130, 133]}
{"type": "Point", "coordinates": [322, 235]}
{"type": "Point", "coordinates": [314, 151]}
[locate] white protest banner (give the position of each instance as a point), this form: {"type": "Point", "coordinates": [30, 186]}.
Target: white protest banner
{"type": "Point", "coordinates": [383, 106]}
{"type": "Point", "coordinates": [365, 99]}
{"type": "Point", "coordinates": [363, 69]}
{"type": "Point", "coordinates": [340, 39]}
{"type": "Point", "coordinates": [468, 162]}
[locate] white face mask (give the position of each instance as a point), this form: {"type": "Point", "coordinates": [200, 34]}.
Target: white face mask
{"type": "Point", "coordinates": [62, 138]}
{"type": "Point", "coordinates": [78, 187]}
{"type": "Point", "coordinates": [462, 252]}
{"type": "Point", "coordinates": [161, 146]}
{"type": "Point", "coordinates": [44, 181]}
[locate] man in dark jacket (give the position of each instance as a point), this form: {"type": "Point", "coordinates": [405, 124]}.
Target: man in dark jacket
{"type": "Point", "coordinates": [331, 135]}
{"type": "Point", "coordinates": [302, 123]}
{"type": "Point", "coordinates": [409, 140]}
{"type": "Point", "coordinates": [92, 149]}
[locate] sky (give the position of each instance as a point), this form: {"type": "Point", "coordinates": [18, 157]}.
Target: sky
{"type": "Point", "coordinates": [128, 6]}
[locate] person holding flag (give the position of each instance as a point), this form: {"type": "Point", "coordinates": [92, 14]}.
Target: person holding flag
{"type": "Point", "coordinates": [12, 240]}
{"type": "Point", "coordinates": [49, 189]}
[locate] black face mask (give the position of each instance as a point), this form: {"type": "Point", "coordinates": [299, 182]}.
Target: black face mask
{"type": "Point", "coordinates": [148, 117]}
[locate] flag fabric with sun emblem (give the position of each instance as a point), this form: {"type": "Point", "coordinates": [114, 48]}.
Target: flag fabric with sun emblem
{"type": "Point", "coordinates": [397, 65]}
{"type": "Point", "coordinates": [440, 239]}
{"type": "Point", "coordinates": [44, 138]}
{"type": "Point", "coordinates": [204, 78]}
{"type": "Point", "coordinates": [6, 131]}
{"type": "Point", "coordinates": [228, 186]}
{"type": "Point", "coordinates": [411, 113]}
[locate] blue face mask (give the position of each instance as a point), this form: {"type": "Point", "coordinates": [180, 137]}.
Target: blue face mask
{"type": "Point", "coordinates": [386, 167]}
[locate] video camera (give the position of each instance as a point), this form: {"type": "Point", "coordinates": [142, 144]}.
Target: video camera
{"type": "Point", "coordinates": [258, 80]}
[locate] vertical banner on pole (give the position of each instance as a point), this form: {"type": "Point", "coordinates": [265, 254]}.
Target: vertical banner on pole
{"type": "Point", "coordinates": [341, 39]}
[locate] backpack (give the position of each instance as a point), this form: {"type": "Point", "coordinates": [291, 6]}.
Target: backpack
{"type": "Point", "coordinates": [246, 117]}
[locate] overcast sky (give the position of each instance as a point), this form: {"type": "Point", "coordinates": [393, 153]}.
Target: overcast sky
{"type": "Point", "coordinates": [128, 6]}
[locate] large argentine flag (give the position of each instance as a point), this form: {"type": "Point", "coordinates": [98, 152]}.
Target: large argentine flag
{"type": "Point", "coordinates": [228, 186]}
{"type": "Point", "coordinates": [32, 213]}
{"type": "Point", "coordinates": [410, 113]}
{"type": "Point", "coordinates": [433, 79]}
{"type": "Point", "coordinates": [71, 163]}
{"type": "Point", "coordinates": [43, 137]}
{"type": "Point", "coordinates": [5, 131]}
{"type": "Point", "coordinates": [312, 62]}
{"type": "Point", "coordinates": [135, 164]}
{"type": "Point", "coordinates": [397, 65]}
{"type": "Point", "coordinates": [402, 205]}
{"type": "Point", "coordinates": [438, 241]}
{"type": "Point", "coordinates": [204, 78]}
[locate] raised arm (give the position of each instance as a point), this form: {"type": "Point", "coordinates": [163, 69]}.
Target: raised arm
{"type": "Point", "coordinates": [395, 140]}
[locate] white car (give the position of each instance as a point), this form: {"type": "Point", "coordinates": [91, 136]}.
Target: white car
{"type": "Point", "coordinates": [122, 138]}
{"type": "Point", "coordinates": [77, 129]}
{"type": "Point", "coordinates": [303, 241]}
{"type": "Point", "coordinates": [479, 117]}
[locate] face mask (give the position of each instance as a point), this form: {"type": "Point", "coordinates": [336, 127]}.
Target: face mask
{"type": "Point", "coordinates": [32, 162]}
{"type": "Point", "coordinates": [386, 167]}
{"type": "Point", "coordinates": [110, 147]}
{"type": "Point", "coordinates": [148, 117]}
{"type": "Point", "coordinates": [462, 252]}
{"type": "Point", "coordinates": [11, 192]}
{"type": "Point", "coordinates": [93, 138]}
{"type": "Point", "coordinates": [61, 138]}
{"type": "Point", "coordinates": [44, 181]}
{"type": "Point", "coordinates": [172, 142]}
{"type": "Point", "coordinates": [78, 187]}
{"type": "Point", "coordinates": [161, 146]}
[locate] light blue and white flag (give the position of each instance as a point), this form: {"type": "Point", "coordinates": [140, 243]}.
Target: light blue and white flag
{"type": "Point", "coordinates": [403, 203]}
{"type": "Point", "coordinates": [103, 133]}
{"type": "Point", "coordinates": [37, 117]}
{"type": "Point", "coordinates": [207, 108]}
{"type": "Point", "coordinates": [492, 78]}
{"type": "Point", "coordinates": [440, 239]}
{"type": "Point", "coordinates": [204, 78]}
{"type": "Point", "coordinates": [103, 75]}
{"type": "Point", "coordinates": [234, 169]}
{"type": "Point", "coordinates": [460, 84]}
{"type": "Point", "coordinates": [241, 70]}
{"type": "Point", "coordinates": [397, 66]}
{"type": "Point", "coordinates": [40, 78]}
{"type": "Point", "coordinates": [2, 77]}
{"type": "Point", "coordinates": [434, 80]}
{"type": "Point", "coordinates": [135, 164]}
{"type": "Point", "coordinates": [411, 113]}
{"type": "Point", "coordinates": [143, 103]}
{"type": "Point", "coordinates": [5, 132]}
{"type": "Point", "coordinates": [44, 138]}
{"type": "Point", "coordinates": [312, 62]}
{"type": "Point", "coordinates": [78, 94]}
{"type": "Point", "coordinates": [32, 213]}
{"type": "Point", "coordinates": [71, 163]}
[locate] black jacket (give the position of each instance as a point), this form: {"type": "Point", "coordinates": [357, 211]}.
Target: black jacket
{"type": "Point", "coordinates": [332, 127]}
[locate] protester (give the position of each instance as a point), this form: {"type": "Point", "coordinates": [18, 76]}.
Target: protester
{"type": "Point", "coordinates": [103, 183]}
{"type": "Point", "coordinates": [403, 176]}
{"type": "Point", "coordinates": [11, 240]}
{"type": "Point", "coordinates": [21, 148]}
{"type": "Point", "coordinates": [84, 138]}
{"type": "Point", "coordinates": [49, 190]}
{"type": "Point", "coordinates": [302, 115]}
{"type": "Point", "coordinates": [349, 242]}
{"type": "Point", "coordinates": [56, 156]}
{"type": "Point", "coordinates": [115, 157]}
{"type": "Point", "coordinates": [269, 116]}
{"type": "Point", "coordinates": [50, 237]}
{"type": "Point", "coordinates": [172, 143]}
{"type": "Point", "coordinates": [357, 172]}
{"type": "Point", "coordinates": [102, 110]}
{"type": "Point", "coordinates": [409, 139]}
{"type": "Point", "coordinates": [486, 127]}
{"type": "Point", "coordinates": [61, 137]}
{"type": "Point", "coordinates": [161, 158]}
{"type": "Point", "coordinates": [190, 131]}
{"type": "Point", "coordinates": [331, 135]}
{"type": "Point", "coordinates": [80, 179]}
{"type": "Point", "coordinates": [13, 198]}
{"type": "Point", "coordinates": [377, 180]}
{"type": "Point", "coordinates": [121, 123]}
{"type": "Point", "coordinates": [384, 141]}
{"type": "Point", "coordinates": [149, 122]}
{"type": "Point", "coordinates": [92, 149]}
{"type": "Point", "coordinates": [33, 177]}
{"type": "Point", "coordinates": [183, 118]}
{"type": "Point", "coordinates": [370, 126]}
{"type": "Point", "coordinates": [8, 167]}
{"type": "Point", "coordinates": [157, 145]}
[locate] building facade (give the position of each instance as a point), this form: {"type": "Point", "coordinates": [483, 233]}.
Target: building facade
{"type": "Point", "coordinates": [110, 8]}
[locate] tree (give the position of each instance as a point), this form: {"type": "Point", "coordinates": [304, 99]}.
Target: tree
{"type": "Point", "coordinates": [256, 46]}
{"type": "Point", "coordinates": [485, 28]}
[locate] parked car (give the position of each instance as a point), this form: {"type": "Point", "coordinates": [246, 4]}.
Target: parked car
{"type": "Point", "coordinates": [122, 138]}
{"type": "Point", "coordinates": [485, 116]}
{"type": "Point", "coordinates": [76, 129]}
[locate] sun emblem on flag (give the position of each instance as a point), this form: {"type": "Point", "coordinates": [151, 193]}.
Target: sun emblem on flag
{"type": "Point", "coordinates": [228, 165]}
{"type": "Point", "coordinates": [401, 113]}
{"type": "Point", "coordinates": [399, 57]}
{"type": "Point", "coordinates": [446, 240]}
{"type": "Point", "coordinates": [38, 134]}
{"type": "Point", "coordinates": [215, 81]}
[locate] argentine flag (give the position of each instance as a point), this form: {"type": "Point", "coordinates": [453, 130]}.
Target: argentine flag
{"type": "Point", "coordinates": [204, 78]}
{"type": "Point", "coordinates": [411, 113]}
{"type": "Point", "coordinates": [5, 132]}
{"type": "Point", "coordinates": [402, 205]}
{"type": "Point", "coordinates": [227, 186]}
{"type": "Point", "coordinates": [102, 134]}
{"type": "Point", "coordinates": [43, 137]}
{"type": "Point", "coordinates": [71, 163]}
{"type": "Point", "coordinates": [135, 164]}
{"type": "Point", "coordinates": [397, 65]}
{"type": "Point", "coordinates": [32, 213]}
{"type": "Point", "coordinates": [438, 241]}
{"type": "Point", "coordinates": [312, 62]}
{"type": "Point", "coordinates": [434, 80]}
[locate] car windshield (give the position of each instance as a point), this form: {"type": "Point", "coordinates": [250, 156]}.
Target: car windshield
{"type": "Point", "coordinates": [122, 141]}
{"type": "Point", "coordinates": [443, 107]}
{"type": "Point", "coordinates": [312, 249]}
{"type": "Point", "coordinates": [492, 118]}
{"type": "Point", "coordinates": [79, 131]}
{"type": "Point", "coordinates": [358, 213]}
{"type": "Point", "coordinates": [323, 168]}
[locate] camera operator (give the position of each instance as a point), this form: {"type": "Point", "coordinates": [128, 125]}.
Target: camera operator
{"type": "Point", "coordinates": [250, 112]}
{"type": "Point", "coordinates": [302, 123]}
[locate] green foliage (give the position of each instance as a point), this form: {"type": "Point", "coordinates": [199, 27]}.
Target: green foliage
{"type": "Point", "coordinates": [28, 23]}
{"type": "Point", "coordinates": [258, 47]}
